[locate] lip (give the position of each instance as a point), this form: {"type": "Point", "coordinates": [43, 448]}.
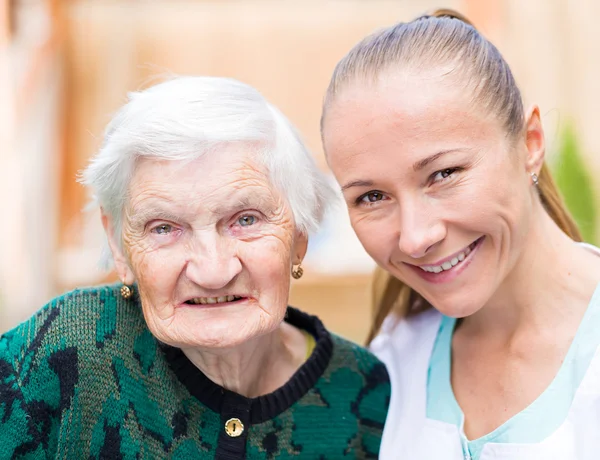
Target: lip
{"type": "Point", "coordinates": [243, 299]}
{"type": "Point", "coordinates": [448, 275]}
{"type": "Point", "coordinates": [449, 258]}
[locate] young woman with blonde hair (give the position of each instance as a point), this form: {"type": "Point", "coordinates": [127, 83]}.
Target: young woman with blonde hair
{"type": "Point", "coordinates": [487, 303]}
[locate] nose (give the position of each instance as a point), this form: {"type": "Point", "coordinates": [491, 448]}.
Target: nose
{"type": "Point", "coordinates": [421, 229]}
{"type": "Point", "coordinates": [212, 262]}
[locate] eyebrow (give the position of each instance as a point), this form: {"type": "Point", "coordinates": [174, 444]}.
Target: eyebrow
{"type": "Point", "coordinates": [416, 167]}
{"type": "Point", "coordinates": [142, 216]}
{"type": "Point", "coordinates": [252, 201]}
{"type": "Point", "coordinates": [258, 202]}
{"type": "Point", "coordinates": [357, 183]}
{"type": "Point", "coordinates": [430, 159]}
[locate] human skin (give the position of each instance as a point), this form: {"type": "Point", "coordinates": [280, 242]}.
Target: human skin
{"type": "Point", "coordinates": [429, 178]}
{"type": "Point", "coordinates": [194, 235]}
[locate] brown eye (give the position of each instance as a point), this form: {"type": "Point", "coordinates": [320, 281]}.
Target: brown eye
{"type": "Point", "coordinates": [371, 197]}
{"type": "Point", "coordinates": [443, 174]}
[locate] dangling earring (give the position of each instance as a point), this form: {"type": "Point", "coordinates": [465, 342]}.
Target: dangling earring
{"type": "Point", "coordinates": [126, 292]}
{"type": "Point", "coordinates": [535, 179]}
{"type": "Point", "coordinates": [297, 272]}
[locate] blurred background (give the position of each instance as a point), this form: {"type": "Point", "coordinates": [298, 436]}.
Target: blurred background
{"type": "Point", "coordinates": [67, 65]}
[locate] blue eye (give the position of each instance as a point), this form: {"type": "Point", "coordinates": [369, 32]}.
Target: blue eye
{"type": "Point", "coordinates": [246, 221]}
{"type": "Point", "coordinates": [163, 229]}
{"type": "Point", "coordinates": [371, 197]}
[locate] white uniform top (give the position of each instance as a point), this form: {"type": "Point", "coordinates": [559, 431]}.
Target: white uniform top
{"type": "Point", "coordinates": [563, 423]}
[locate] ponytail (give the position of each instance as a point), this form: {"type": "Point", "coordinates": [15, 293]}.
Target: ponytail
{"type": "Point", "coordinates": [442, 36]}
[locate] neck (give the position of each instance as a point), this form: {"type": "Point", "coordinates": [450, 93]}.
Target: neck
{"type": "Point", "coordinates": [551, 282]}
{"type": "Point", "coordinates": [256, 367]}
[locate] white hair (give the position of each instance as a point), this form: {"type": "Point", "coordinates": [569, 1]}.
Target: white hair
{"type": "Point", "coordinates": [187, 117]}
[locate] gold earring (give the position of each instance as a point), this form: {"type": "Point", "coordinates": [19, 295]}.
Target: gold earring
{"type": "Point", "coordinates": [126, 292]}
{"type": "Point", "coordinates": [535, 179]}
{"type": "Point", "coordinates": [297, 272]}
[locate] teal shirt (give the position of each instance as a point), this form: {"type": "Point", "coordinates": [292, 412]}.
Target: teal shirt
{"type": "Point", "coordinates": [543, 416]}
{"type": "Point", "coordinates": [85, 379]}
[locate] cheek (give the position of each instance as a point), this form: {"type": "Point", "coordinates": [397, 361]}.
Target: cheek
{"type": "Point", "coordinates": [497, 206]}
{"type": "Point", "coordinates": [268, 263]}
{"type": "Point", "coordinates": [378, 236]}
{"type": "Point", "coordinates": [157, 273]}
{"type": "Point", "coordinates": [268, 259]}
{"type": "Point", "coordinates": [498, 209]}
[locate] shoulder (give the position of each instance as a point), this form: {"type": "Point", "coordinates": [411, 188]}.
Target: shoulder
{"type": "Point", "coordinates": [405, 346]}
{"type": "Point", "coordinates": [39, 368]}
{"type": "Point", "coordinates": [57, 330]}
{"type": "Point", "coordinates": [590, 247]}
{"type": "Point", "coordinates": [345, 364]}
{"type": "Point", "coordinates": [77, 306]}
{"type": "Point", "coordinates": [362, 380]}
{"type": "Point", "coordinates": [79, 349]}
{"type": "Point", "coordinates": [400, 334]}
{"type": "Point", "coordinates": [403, 343]}
{"type": "Point", "coordinates": [339, 352]}
{"type": "Point", "coordinates": [351, 388]}
{"type": "Point", "coordinates": [347, 354]}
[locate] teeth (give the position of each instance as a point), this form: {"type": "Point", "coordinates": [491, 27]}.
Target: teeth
{"type": "Point", "coordinates": [213, 300]}
{"type": "Point", "coordinates": [451, 263]}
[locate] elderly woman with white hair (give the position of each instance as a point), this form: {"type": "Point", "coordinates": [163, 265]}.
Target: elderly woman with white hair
{"type": "Point", "coordinates": [207, 196]}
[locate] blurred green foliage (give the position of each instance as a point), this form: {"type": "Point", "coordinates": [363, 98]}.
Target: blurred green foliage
{"type": "Point", "coordinates": [574, 180]}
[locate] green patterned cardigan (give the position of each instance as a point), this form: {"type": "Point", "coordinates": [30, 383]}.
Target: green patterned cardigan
{"type": "Point", "coordinates": [85, 379]}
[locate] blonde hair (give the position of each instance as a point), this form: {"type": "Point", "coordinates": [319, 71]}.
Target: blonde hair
{"type": "Point", "coordinates": [443, 37]}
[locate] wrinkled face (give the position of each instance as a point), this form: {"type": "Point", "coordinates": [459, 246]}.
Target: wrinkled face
{"type": "Point", "coordinates": [210, 244]}
{"type": "Point", "coordinates": [437, 193]}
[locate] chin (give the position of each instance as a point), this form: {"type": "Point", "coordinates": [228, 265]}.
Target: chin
{"type": "Point", "coordinates": [216, 328]}
{"type": "Point", "coordinates": [214, 342]}
{"type": "Point", "coordinates": [217, 333]}
{"type": "Point", "coordinates": [225, 332]}
{"type": "Point", "coordinates": [460, 307]}
{"type": "Point", "coordinates": [458, 312]}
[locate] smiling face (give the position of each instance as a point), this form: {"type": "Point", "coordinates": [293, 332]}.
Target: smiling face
{"type": "Point", "coordinates": [437, 193]}
{"type": "Point", "coordinates": [210, 244]}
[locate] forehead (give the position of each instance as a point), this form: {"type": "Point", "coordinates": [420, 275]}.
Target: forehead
{"type": "Point", "coordinates": [408, 112]}
{"type": "Point", "coordinates": [229, 171]}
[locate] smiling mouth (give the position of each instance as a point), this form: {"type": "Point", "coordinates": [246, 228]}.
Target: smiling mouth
{"type": "Point", "coordinates": [213, 300]}
{"type": "Point", "coordinates": [452, 262]}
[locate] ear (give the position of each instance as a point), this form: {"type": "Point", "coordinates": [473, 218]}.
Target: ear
{"type": "Point", "coordinates": [121, 265]}
{"type": "Point", "coordinates": [300, 247]}
{"type": "Point", "coordinates": [534, 141]}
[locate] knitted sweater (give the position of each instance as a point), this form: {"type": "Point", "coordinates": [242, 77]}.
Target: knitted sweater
{"type": "Point", "coordinates": [85, 379]}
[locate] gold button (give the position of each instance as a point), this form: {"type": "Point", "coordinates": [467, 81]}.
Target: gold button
{"type": "Point", "coordinates": [234, 427]}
